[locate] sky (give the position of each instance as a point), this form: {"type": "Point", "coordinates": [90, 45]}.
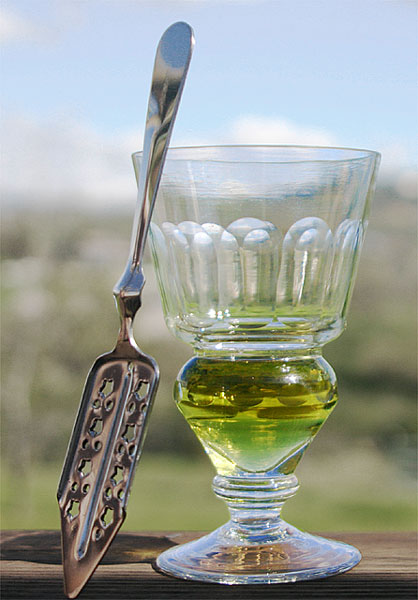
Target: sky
{"type": "Point", "coordinates": [76, 76]}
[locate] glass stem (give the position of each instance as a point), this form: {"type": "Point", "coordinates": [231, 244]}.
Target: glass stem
{"type": "Point", "coordinates": [255, 503]}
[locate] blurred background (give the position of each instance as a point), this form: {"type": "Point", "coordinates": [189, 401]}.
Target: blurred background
{"type": "Point", "coordinates": [76, 77]}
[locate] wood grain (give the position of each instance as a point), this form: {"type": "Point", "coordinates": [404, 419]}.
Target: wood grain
{"type": "Point", "coordinates": [31, 570]}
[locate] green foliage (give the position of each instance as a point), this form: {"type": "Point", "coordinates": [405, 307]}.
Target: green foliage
{"type": "Point", "coordinates": [173, 492]}
{"type": "Point", "coordinates": [58, 314]}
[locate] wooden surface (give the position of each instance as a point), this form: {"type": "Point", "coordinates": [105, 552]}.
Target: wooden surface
{"type": "Point", "coordinates": [31, 569]}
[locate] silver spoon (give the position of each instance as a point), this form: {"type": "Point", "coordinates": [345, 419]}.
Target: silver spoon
{"type": "Point", "coordinates": [109, 431]}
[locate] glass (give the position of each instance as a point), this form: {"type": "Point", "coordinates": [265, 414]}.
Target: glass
{"type": "Point", "coordinates": [255, 249]}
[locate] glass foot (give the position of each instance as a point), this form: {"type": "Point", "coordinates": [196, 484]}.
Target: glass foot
{"type": "Point", "coordinates": [286, 555]}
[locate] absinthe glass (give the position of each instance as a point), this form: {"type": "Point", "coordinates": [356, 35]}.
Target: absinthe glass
{"type": "Point", "coordinates": [255, 250]}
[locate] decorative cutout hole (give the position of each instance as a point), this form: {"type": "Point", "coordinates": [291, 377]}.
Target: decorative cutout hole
{"type": "Point", "coordinates": [74, 486]}
{"type": "Point", "coordinates": [97, 534]}
{"type": "Point", "coordinates": [141, 390]}
{"type": "Point", "coordinates": [97, 445]}
{"type": "Point", "coordinates": [107, 517]}
{"type": "Point", "coordinates": [73, 509]}
{"type": "Point", "coordinates": [96, 427]}
{"type": "Point", "coordinates": [85, 444]}
{"type": "Point", "coordinates": [131, 407]}
{"type": "Point", "coordinates": [109, 404]}
{"type": "Point", "coordinates": [117, 476]}
{"type": "Point", "coordinates": [129, 433]}
{"type": "Point", "coordinates": [132, 449]}
{"type": "Point", "coordinates": [106, 388]}
{"type": "Point", "coordinates": [84, 467]}
{"type": "Point", "coordinates": [96, 403]}
{"type": "Point", "coordinates": [86, 488]}
{"type": "Point", "coordinates": [121, 449]}
{"type": "Point", "coordinates": [108, 493]}
{"type": "Point", "coordinates": [121, 494]}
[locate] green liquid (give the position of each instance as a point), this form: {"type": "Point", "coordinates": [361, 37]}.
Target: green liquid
{"type": "Point", "coordinates": [255, 415]}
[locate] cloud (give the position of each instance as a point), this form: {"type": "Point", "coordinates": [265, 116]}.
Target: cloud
{"type": "Point", "coordinates": [61, 159]}
{"type": "Point", "coordinates": [398, 169]}
{"type": "Point", "coordinates": [397, 166]}
{"type": "Point", "coordinates": [253, 129]}
{"type": "Point", "coordinates": [62, 19]}
{"type": "Point", "coordinates": [14, 28]}
{"type": "Point", "coordinates": [64, 160]}
{"type": "Point", "coordinates": [257, 129]}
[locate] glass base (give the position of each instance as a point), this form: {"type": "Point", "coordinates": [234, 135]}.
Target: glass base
{"type": "Point", "coordinates": [286, 555]}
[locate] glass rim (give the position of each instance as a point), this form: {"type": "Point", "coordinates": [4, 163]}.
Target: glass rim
{"type": "Point", "coordinates": [361, 153]}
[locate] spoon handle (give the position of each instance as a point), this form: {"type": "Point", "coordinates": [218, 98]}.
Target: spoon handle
{"type": "Point", "coordinates": [170, 70]}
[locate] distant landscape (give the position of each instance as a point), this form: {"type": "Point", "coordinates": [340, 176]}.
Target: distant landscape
{"type": "Point", "coordinates": [58, 314]}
